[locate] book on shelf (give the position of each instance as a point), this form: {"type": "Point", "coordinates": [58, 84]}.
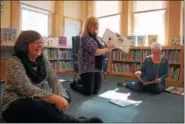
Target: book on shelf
{"type": "Point", "coordinates": [8, 36]}
{"type": "Point", "coordinates": [62, 41]}
{"type": "Point", "coordinates": [51, 41]}
{"type": "Point", "coordinates": [141, 40]}
{"type": "Point", "coordinates": [175, 41]}
{"type": "Point", "coordinates": [152, 39]}
{"type": "Point", "coordinates": [133, 39]}
{"type": "Point", "coordinates": [120, 42]}
{"type": "Point", "coordinates": [174, 73]}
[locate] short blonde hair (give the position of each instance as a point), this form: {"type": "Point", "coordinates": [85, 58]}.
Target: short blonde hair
{"type": "Point", "coordinates": [90, 21]}
{"type": "Point", "coordinates": [156, 44]}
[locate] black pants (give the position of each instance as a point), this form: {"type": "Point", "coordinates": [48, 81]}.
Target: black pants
{"type": "Point", "coordinates": [90, 83]}
{"type": "Point", "coordinates": [32, 111]}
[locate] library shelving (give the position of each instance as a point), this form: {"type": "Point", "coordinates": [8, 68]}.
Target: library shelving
{"type": "Point", "coordinates": [60, 58]}
{"type": "Point", "coordinates": [125, 65]}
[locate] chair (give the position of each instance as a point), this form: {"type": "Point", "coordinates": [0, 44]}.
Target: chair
{"type": "Point", "coordinates": [76, 47]}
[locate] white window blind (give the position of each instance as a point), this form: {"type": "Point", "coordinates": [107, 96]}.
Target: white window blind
{"type": "Point", "coordinates": [148, 5]}
{"type": "Point", "coordinates": [150, 22]}
{"type": "Point", "coordinates": [105, 8]}
{"type": "Point", "coordinates": [111, 22]}
{"type": "Point", "coordinates": [34, 19]}
{"type": "Point", "coordinates": [108, 13]}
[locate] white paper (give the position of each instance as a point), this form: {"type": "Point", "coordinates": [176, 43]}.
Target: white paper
{"type": "Point", "coordinates": [111, 94]}
{"type": "Point", "coordinates": [124, 103]}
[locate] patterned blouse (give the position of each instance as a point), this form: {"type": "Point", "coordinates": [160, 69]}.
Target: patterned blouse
{"type": "Point", "coordinates": [18, 84]}
{"type": "Point", "coordinates": [87, 57]}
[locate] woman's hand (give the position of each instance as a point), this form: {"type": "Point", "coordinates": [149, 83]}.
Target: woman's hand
{"type": "Point", "coordinates": [111, 44]}
{"type": "Point", "coordinates": [60, 102]}
{"type": "Point", "coordinates": [138, 73]}
{"type": "Point", "coordinates": [158, 80]}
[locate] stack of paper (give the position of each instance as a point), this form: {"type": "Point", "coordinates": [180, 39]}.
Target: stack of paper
{"type": "Point", "coordinates": [124, 103]}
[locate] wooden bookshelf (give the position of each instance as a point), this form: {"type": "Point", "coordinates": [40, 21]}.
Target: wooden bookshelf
{"type": "Point", "coordinates": [124, 65]}
{"type": "Point", "coordinates": [53, 58]}
{"type": "Point", "coordinates": [60, 58]}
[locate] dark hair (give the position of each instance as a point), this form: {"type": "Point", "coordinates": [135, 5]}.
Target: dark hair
{"type": "Point", "coordinates": [26, 37]}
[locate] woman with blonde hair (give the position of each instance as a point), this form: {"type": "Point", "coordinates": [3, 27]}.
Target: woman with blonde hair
{"type": "Point", "coordinates": [93, 50]}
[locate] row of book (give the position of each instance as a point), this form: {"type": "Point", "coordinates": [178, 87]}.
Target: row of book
{"type": "Point", "coordinates": [145, 40]}
{"type": "Point", "coordinates": [55, 41]}
{"type": "Point", "coordinates": [54, 65]}
{"type": "Point", "coordinates": [122, 67]}
{"type": "Point", "coordinates": [138, 55]}
{"type": "Point", "coordinates": [172, 55]}
{"type": "Point", "coordinates": [63, 65]}
{"type": "Point", "coordinates": [174, 73]}
{"type": "Point", "coordinates": [50, 53]}
{"type": "Point", "coordinates": [65, 54]}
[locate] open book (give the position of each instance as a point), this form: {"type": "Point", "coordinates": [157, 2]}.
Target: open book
{"type": "Point", "coordinates": [176, 90]}
{"type": "Point", "coordinates": [146, 82]}
{"type": "Point", "coordinates": [120, 42]}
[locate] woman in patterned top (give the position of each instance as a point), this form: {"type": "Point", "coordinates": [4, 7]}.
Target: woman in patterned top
{"type": "Point", "coordinates": [92, 57]}
{"type": "Point", "coordinates": [26, 98]}
{"type": "Point", "coordinates": [152, 74]}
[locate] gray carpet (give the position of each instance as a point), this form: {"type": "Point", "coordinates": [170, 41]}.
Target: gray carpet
{"type": "Point", "coordinates": [166, 107]}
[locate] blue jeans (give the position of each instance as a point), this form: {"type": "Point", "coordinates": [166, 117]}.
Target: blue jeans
{"type": "Point", "coordinates": [152, 88]}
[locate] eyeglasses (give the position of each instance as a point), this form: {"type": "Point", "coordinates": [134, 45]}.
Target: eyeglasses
{"type": "Point", "coordinates": [38, 42]}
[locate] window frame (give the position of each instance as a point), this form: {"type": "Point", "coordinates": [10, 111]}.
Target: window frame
{"type": "Point", "coordinates": [37, 10]}
{"type": "Point", "coordinates": [118, 14]}
{"type": "Point", "coordinates": [146, 11]}
{"type": "Point", "coordinates": [110, 15]}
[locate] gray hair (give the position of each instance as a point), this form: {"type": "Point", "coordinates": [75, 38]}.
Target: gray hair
{"type": "Point", "coordinates": [156, 44]}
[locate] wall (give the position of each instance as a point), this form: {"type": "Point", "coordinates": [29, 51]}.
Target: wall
{"type": "Point", "coordinates": [45, 5]}
{"type": "Point", "coordinates": [72, 9]}
{"type": "Point", "coordinates": [6, 15]}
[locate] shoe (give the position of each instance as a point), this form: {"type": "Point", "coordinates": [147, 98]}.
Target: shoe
{"type": "Point", "coordinates": [90, 120]}
{"type": "Point", "coordinates": [72, 85]}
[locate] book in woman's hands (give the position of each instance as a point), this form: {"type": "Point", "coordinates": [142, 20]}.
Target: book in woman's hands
{"type": "Point", "coordinates": [120, 42]}
{"type": "Point", "coordinates": [145, 82]}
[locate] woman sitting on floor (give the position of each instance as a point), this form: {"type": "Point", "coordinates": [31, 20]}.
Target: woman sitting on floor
{"type": "Point", "coordinates": [153, 69]}
{"type": "Point", "coordinates": [26, 98]}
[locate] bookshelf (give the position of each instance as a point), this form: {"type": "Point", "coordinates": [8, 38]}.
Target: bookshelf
{"type": "Point", "coordinates": [60, 57]}
{"type": "Point", "coordinates": [125, 65]}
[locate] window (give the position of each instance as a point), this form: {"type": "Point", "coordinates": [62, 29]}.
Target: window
{"type": "Point", "coordinates": [109, 17]}
{"type": "Point", "coordinates": [34, 19]}
{"type": "Point", "coordinates": [149, 19]}
{"type": "Point", "coordinates": [107, 22]}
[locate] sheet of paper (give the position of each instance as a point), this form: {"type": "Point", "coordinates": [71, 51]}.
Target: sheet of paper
{"type": "Point", "coordinates": [111, 94]}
